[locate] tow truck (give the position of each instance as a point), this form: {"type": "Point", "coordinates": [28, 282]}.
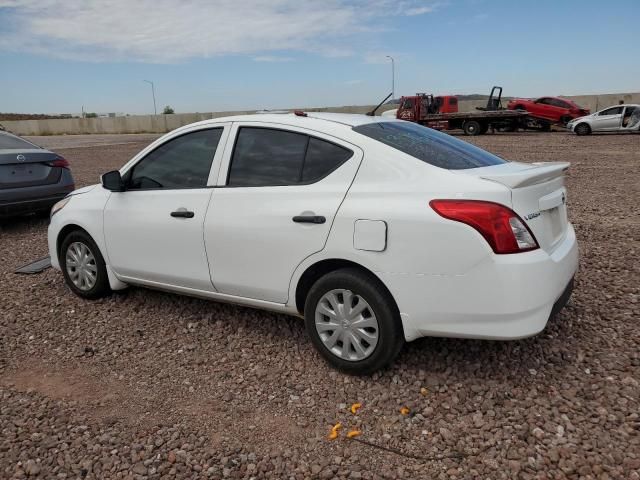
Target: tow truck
{"type": "Point", "coordinates": [441, 113]}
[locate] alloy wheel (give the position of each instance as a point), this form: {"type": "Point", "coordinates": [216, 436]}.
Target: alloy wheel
{"type": "Point", "coordinates": [346, 324]}
{"type": "Point", "coordinates": [81, 266]}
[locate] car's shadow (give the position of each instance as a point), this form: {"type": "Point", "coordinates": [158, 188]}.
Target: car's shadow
{"type": "Point", "coordinates": [458, 360]}
{"type": "Point", "coordinates": [554, 348]}
{"type": "Point", "coordinates": [21, 223]}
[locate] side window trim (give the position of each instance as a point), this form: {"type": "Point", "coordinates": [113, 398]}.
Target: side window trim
{"type": "Point", "coordinates": [225, 165]}
{"type": "Point", "coordinates": [127, 169]}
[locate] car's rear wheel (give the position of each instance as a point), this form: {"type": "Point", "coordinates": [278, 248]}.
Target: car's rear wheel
{"type": "Point", "coordinates": [83, 267]}
{"type": "Point", "coordinates": [353, 321]}
{"type": "Point", "coordinates": [471, 127]}
{"type": "Point", "coordinates": [582, 129]}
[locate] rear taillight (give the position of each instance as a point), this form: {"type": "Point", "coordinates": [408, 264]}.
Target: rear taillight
{"type": "Point", "coordinates": [59, 162]}
{"type": "Point", "coordinates": [501, 227]}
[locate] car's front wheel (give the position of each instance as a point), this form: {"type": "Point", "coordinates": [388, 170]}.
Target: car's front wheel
{"type": "Point", "coordinates": [582, 129]}
{"type": "Point", "coordinates": [83, 267]}
{"type": "Point", "coordinates": [353, 321]}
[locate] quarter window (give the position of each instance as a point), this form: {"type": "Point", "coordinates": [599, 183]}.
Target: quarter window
{"type": "Point", "coordinates": [183, 162]}
{"type": "Point", "coordinates": [269, 157]}
{"type": "Point", "coordinates": [322, 158]}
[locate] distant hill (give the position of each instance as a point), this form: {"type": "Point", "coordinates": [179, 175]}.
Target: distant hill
{"type": "Point", "coordinates": [29, 116]}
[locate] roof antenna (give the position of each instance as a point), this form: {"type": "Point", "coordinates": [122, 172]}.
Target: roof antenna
{"type": "Point", "coordinates": [373, 112]}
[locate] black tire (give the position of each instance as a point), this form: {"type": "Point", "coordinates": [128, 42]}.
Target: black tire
{"type": "Point", "coordinates": [484, 128]}
{"type": "Point", "coordinates": [565, 119]}
{"type": "Point", "coordinates": [582, 129]}
{"type": "Point", "coordinates": [545, 127]}
{"type": "Point", "coordinates": [390, 333]}
{"type": "Point", "coordinates": [472, 127]}
{"type": "Point", "coordinates": [101, 285]}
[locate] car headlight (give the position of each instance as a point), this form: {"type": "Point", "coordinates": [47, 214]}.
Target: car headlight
{"type": "Point", "coordinates": [59, 206]}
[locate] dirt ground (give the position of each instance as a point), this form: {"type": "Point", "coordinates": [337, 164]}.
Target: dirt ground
{"type": "Point", "coordinates": [152, 385]}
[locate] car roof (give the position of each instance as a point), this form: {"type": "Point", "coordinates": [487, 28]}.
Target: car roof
{"type": "Point", "coordinates": [313, 120]}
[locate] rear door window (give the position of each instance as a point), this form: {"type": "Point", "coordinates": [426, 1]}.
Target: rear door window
{"type": "Point", "coordinates": [270, 157]}
{"type": "Point", "coordinates": [428, 145]}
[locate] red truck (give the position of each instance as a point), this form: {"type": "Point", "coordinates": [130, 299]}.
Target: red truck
{"type": "Point", "coordinates": [441, 113]}
{"type": "Point", "coordinates": [552, 109]}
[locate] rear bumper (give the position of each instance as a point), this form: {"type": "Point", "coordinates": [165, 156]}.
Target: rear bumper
{"type": "Point", "coordinates": [18, 201]}
{"type": "Point", "coordinates": [8, 209]}
{"type": "Point", "coordinates": [504, 297]}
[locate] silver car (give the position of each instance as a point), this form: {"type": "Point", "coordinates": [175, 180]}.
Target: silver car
{"type": "Point", "coordinates": [32, 179]}
{"type": "Point", "coordinates": [621, 118]}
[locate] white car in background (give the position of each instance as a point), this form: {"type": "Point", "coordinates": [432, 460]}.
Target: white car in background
{"type": "Point", "coordinates": [375, 231]}
{"type": "Point", "coordinates": [621, 118]}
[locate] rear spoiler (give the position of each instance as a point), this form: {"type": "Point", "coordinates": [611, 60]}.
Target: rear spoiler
{"type": "Point", "coordinates": [539, 172]}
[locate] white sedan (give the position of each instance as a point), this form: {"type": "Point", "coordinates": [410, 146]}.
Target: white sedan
{"type": "Point", "coordinates": [376, 231]}
{"type": "Point", "coordinates": [621, 118]}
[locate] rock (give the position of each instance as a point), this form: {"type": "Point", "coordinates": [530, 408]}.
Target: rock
{"type": "Point", "coordinates": [139, 469]}
{"type": "Point", "coordinates": [32, 468]}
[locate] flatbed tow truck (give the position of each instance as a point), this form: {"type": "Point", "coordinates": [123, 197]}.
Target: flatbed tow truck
{"type": "Point", "coordinates": [441, 113]}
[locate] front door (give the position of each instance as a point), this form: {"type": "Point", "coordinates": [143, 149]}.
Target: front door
{"type": "Point", "coordinates": [609, 119]}
{"type": "Point", "coordinates": [278, 193]}
{"type": "Point", "coordinates": [154, 229]}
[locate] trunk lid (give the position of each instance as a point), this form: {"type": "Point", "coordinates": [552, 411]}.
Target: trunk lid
{"type": "Point", "coordinates": [27, 168]}
{"type": "Point", "coordinates": [538, 196]}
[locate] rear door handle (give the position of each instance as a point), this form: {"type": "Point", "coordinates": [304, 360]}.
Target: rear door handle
{"type": "Point", "coordinates": [182, 213]}
{"type": "Point", "coordinates": [309, 219]}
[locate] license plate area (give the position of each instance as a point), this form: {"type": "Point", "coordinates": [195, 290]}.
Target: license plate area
{"type": "Point", "coordinates": [556, 220]}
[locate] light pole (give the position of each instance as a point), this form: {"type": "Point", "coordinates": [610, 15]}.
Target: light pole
{"type": "Point", "coordinates": [393, 77]}
{"type": "Point", "coordinates": [153, 92]}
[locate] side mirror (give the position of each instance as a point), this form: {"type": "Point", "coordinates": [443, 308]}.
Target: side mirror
{"type": "Point", "coordinates": [112, 181]}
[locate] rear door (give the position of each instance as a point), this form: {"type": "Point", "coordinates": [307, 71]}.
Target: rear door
{"type": "Point", "coordinates": [278, 192]}
{"type": "Point", "coordinates": [540, 108]}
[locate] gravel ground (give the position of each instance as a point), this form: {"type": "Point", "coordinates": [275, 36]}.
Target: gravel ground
{"type": "Point", "coordinates": [152, 385]}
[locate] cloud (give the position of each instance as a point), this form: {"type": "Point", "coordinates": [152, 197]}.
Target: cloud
{"type": "Point", "coordinates": [168, 31]}
{"type": "Point", "coordinates": [272, 58]}
{"type": "Point", "coordinates": [419, 10]}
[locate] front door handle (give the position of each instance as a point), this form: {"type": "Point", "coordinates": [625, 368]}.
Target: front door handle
{"type": "Point", "coordinates": [309, 219]}
{"type": "Point", "coordinates": [182, 213]}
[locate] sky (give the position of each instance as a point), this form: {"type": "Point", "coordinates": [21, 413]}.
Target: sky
{"type": "Point", "coordinates": [59, 56]}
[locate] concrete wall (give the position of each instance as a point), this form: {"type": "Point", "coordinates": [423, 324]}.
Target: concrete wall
{"type": "Point", "coordinates": [166, 123]}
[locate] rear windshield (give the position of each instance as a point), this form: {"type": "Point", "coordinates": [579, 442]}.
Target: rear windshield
{"type": "Point", "coordinates": [428, 145]}
{"type": "Point", "coordinates": [9, 141]}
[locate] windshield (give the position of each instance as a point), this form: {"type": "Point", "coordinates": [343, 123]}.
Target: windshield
{"type": "Point", "coordinates": [428, 145]}
{"type": "Point", "coordinates": [11, 142]}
